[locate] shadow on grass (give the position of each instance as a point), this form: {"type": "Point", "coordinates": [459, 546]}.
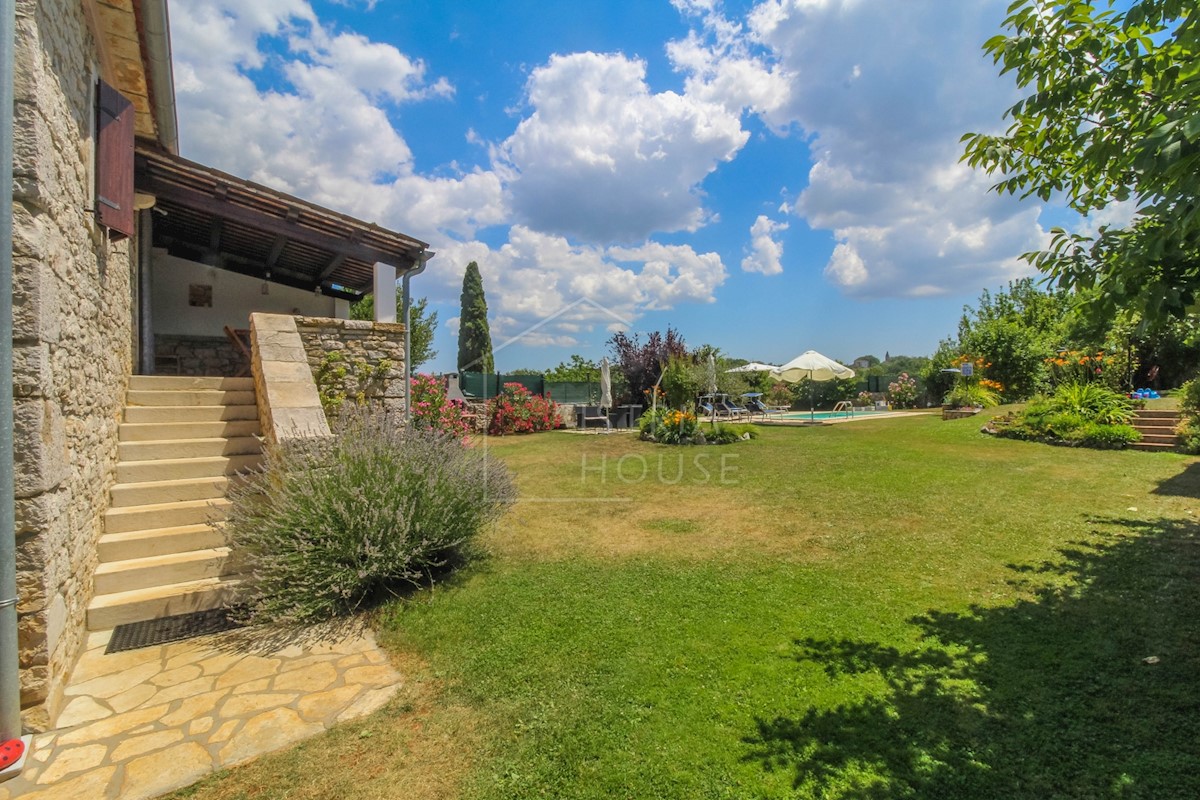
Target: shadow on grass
{"type": "Point", "coordinates": [1185, 484]}
{"type": "Point", "coordinates": [1049, 697]}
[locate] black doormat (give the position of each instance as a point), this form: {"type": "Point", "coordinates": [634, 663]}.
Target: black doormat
{"type": "Point", "coordinates": [170, 629]}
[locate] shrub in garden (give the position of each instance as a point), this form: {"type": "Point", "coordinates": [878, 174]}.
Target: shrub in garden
{"type": "Point", "coordinates": [432, 410]}
{"type": "Point", "coordinates": [335, 524]}
{"type": "Point", "coordinates": [1189, 411]}
{"type": "Point", "coordinates": [668, 426]}
{"type": "Point", "coordinates": [1086, 414]}
{"type": "Point", "coordinates": [517, 410]}
{"type": "Point", "coordinates": [972, 395]}
{"type": "Point", "coordinates": [902, 392]}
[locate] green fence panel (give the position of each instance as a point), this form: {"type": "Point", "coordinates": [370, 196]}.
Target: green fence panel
{"type": "Point", "coordinates": [576, 392]}
{"type": "Point", "coordinates": [478, 384]}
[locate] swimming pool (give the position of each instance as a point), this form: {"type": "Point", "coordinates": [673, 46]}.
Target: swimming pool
{"type": "Point", "coordinates": [800, 416]}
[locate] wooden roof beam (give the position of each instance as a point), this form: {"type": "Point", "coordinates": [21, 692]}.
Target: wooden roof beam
{"type": "Point", "coordinates": [287, 228]}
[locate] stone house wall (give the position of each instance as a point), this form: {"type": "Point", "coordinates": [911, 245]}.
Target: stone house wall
{"type": "Point", "coordinates": [72, 341]}
{"type": "Point", "coordinates": [360, 347]}
{"type": "Point", "coordinates": [196, 355]}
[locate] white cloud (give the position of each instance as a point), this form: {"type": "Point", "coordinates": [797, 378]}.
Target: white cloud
{"type": "Point", "coordinates": [601, 158]}
{"type": "Point", "coordinates": [324, 130]}
{"type": "Point", "coordinates": [883, 91]}
{"type": "Point", "coordinates": [765, 252]}
{"type": "Point", "coordinates": [533, 276]}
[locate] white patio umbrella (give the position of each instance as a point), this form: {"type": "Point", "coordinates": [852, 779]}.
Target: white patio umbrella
{"type": "Point", "coordinates": [814, 366]}
{"type": "Point", "coordinates": [754, 366]}
{"type": "Point", "coordinates": [605, 384]}
{"type": "Point", "coordinates": [710, 381]}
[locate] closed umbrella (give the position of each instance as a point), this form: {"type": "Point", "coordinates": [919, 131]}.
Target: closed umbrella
{"type": "Point", "coordinates": [814, 366]}
{"type": "Point", "coordinates": [710, 375]}
{"type": "Point", "coordinates": [605, 384]}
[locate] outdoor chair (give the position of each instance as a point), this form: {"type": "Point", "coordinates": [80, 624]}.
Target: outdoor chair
{"type": "Point", "coordinates": [732, 410]}
{"type": "Point", "coordinates": [592, 414]}
{"type": "Point", "coordinates": [757, 406]}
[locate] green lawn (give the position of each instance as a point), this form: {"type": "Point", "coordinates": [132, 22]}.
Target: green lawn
{"type": "Point", "coordinates": [884, 609]}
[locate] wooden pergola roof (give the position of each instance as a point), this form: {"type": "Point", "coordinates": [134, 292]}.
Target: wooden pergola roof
{"type": "Point", "coordinates": [215, 218]}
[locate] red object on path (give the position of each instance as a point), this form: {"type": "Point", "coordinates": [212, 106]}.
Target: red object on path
{"type": "Point", "coordinates": [10, 752]}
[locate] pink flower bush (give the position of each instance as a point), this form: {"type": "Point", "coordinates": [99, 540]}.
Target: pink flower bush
{"type": "Point", "coordinates": [431, 409]}
{"type": "Point", "coordinates": [517, 410]}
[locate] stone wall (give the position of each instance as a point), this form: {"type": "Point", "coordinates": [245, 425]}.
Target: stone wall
{"type": "Point", "coordinates": [371, 354]}
{"type": "Point", "coordinates": [72, 339]}
{"type": "Point", "coordinates": [197, 355]}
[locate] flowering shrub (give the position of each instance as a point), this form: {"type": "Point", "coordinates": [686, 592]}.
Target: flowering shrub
{"type": "Point", "coordinates": [864, 399]}
{"type": "Point", "coordinates": [431, 410]}
{"type": "Point", "coordinates": [902, 392]}
{"type": "Point", "coordinates": [1081, 414]}
{"type": "Point", "coordinates": [517, 410]}
{"type": "Point", "coordinates": [1077, 366]}
{"type": "Point", "coordinates": [338, 523]}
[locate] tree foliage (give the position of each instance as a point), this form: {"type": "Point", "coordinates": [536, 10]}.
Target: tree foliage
{"type": "Point", "coordinates": [640, 363]}
{"type": "Point", "coordinates": [474, 336]}
{"type": "Point", "coordinates": [577, 369]}
{"type": "Point", "coordinates": [1113, 113]}
{"type": "Point", "coordinates": [422, 325]}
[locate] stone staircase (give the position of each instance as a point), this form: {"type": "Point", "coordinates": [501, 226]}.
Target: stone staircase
{"type": "Point", "coordinates": [181, 444]}
{"type": "Point", "coordinates": [1158, 430]}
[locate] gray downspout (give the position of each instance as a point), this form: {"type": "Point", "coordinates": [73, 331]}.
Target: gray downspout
{"type": "Point", "coordinates": [157, 30]}
{"type": "Point", "coordinates": [422, 261]}
{"type": "Point", "coordinates": [10, 665]}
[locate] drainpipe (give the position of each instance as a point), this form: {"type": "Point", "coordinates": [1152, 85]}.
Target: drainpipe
{"type": "Point", "coordinates": [157, 30]}
{"type": "Point", "coordinates": [422, 262]}
{"type": "Point", "coordinates": [10, 665]}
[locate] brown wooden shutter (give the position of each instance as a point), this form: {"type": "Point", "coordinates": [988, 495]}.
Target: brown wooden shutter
{"type": "Point", "coordinates": [114, 162]}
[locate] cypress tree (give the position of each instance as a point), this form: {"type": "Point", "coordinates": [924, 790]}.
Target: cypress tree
{"type": "Point", "coordinates": [474, 338]}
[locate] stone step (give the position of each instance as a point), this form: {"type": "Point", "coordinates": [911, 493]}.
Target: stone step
{"type": "Point", "coordinates": [1144, 413]}
{"type": "Point", "coordinates": [155, 431]}
{"type": "Point", "coordinates": [1152, 438]}
{"type": "Point", "coordinates": [190, 448]}
{"type": "Point", "coordinates": [214, 413]}
{"type": "Point", "coordinates": [109, 610]}
{"type": "Point", "coordinates": [1152, 447]}
{"type": "Point", "coordinates": [164, 515]}
{"type": "Point", "coordinates": [166, 469]}
{"type": "Point", "coordinates": [148, 493]}
{"type": "Point", "coordinates": [189, 397]}
{"type": "Point", "coordinates": [158, 383]}
{"type": "Point", "coordinates": [159, 542]}
{"type": "Point", "coordinates": [161, 570]}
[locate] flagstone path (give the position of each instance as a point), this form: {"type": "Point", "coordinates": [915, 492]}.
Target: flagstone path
{"type": "Point", "coordinates": [140, 723]}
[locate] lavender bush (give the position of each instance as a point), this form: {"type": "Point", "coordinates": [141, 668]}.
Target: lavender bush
{"type": "Point", "coordinates": [335, 524]}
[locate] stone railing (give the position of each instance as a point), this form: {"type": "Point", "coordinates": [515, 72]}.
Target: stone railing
{"type": "Point", "coordinates": [288, 404]}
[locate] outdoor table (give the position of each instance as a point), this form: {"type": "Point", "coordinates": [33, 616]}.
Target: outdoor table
{"type": "Point", "coordinates": [626, 416]}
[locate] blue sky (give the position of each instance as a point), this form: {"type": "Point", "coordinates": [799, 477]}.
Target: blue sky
{"type": "Point", "coordinates": [767, 177]}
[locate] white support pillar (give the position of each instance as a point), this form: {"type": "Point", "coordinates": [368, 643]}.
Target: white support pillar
{"type": "Point", "coordinates": [341, 308]}
{"type": "Point", "coordinates": [385, 293]}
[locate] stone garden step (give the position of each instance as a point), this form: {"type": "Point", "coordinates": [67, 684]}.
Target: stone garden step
{"type": "Point", "coordinates": [191, 397]}
{"type": "Point", "coordinates": [168, 382]}
{"type": "Point", "coordinates": [212, 413]}
{"type": "Point", "coordinates": [169, 491]}
{"type": "Point", "coordinates": [210, 447]}
{"type": "Point", "coordinates": [109, 610]}
{"type": "Point", "coordinates": [159, 541]}
{"type": "Point", "coordinates": [177, 468]}
{"type": "Point", "coordinates": [164, 515]}
{"type": "Point", "coordinates": [153, 431]}
{"type": "Point", "coordinates": [161, 570]}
